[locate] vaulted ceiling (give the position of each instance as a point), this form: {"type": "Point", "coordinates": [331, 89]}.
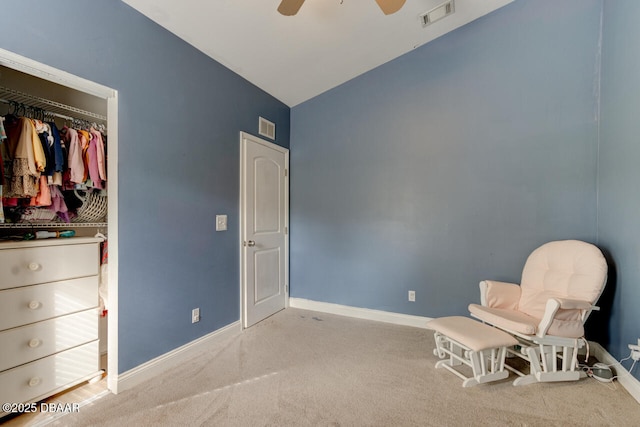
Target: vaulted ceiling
{"type": "Point", "coordinates": [295, 58]}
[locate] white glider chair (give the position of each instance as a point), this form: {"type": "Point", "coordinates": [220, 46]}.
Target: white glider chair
{"type": "Point", "coordinates": [561, 282]}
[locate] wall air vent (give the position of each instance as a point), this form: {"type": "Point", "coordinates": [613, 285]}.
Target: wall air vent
{"type": "Point", "coordinates": [437, 13]}
{"type": "Point", "coordinates": [267, 128]}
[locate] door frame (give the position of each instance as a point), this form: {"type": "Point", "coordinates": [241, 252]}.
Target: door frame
{"type": "Point", "coordinates": [46, 72]}
{"type": "Point", "coordinates": [244, 136]}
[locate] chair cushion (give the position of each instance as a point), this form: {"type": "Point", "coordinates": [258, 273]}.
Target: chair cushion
{"type": "Point", "coordinates": [565, 269]}
{"type": "Point", "coordinates": [509, 320]}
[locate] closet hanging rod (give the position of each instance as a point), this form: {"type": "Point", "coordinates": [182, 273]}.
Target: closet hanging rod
{"type": "Point", "coordinates": [56, 108]}
{"type": "Point", "coordinates": [62, 116]}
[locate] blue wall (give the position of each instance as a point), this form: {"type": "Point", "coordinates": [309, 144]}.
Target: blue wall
{"type": "Point", "coordinates": [449, 164]}
{"type": "Point", "coordinates": [443, 167]}
{"type": "Point", "coordinates": [180, 114]}
{"type": "Point", "coordinates": [619, 199]}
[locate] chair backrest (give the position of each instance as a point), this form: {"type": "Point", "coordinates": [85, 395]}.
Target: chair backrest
{"type": "Point", "coordinates": [568, 269]}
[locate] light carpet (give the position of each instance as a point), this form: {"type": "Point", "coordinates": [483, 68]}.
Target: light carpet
{"type": "Point", "coordinates": [300, 368]}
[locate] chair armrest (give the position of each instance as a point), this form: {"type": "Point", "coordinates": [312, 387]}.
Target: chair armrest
{"type": "Point", "coordinates": [555, 304]}
{"type": "Point", "coordinates": [499, 294]}
{"type": "Point", "coordinates": [576, 304]}
{"type": "Point", "coordinates": [552, 307]}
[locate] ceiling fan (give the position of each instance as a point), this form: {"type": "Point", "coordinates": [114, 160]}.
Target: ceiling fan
{"type": "Point", "coordinates": [291, 7]}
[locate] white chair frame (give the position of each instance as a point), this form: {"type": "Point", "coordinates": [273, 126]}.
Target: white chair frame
{"type": "Point", "coordinates": [487, 365]}
{"type": "Point", "coordinates": [543, 352]}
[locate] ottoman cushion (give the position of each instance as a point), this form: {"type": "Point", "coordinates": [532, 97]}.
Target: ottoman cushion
{"type": "Point", "coordinates": [475, 335]}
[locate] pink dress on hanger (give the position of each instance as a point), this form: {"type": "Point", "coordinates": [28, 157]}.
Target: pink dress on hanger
{"type": "Point", "coordinates": [74, 158]}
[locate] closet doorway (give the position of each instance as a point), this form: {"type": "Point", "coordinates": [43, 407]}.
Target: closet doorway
{"type": "Point", "coordinates": [264, 222]}
{"type": "Point", "coordinates": [62, 94]}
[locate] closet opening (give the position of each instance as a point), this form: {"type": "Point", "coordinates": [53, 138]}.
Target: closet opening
{"type": "Point", "coordinates": [58, 235]}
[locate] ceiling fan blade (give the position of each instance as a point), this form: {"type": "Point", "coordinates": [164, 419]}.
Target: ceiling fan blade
{"type": "Point", "coordinates": [390, 6]}
{"type": "Point", "coordinates": [290, 7]}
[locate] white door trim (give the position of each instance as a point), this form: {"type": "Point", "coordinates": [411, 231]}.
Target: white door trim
{"type": "Point", "coordinates": [285, 151]}
{"type": "Point", "coordinates": [46, 72]}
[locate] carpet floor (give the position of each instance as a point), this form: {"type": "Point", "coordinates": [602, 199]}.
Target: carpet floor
{"type": "Point", "coordinates": [301, 368]}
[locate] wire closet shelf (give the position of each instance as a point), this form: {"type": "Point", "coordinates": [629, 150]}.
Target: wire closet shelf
{"type": "Point", "coordinates": [40, 225]}
{"type": "Point", "coordinates": [47, 106]}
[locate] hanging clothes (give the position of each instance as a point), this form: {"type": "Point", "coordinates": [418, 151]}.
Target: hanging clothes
{"type": "Point", "coordinates": [43, 198]}
{"type": "Point", "coordinates": [39, 157]}
{"type": "Point", "coordinates": [84, 137]}
{"type": "Point", "coordinates": [42, 162]}
{"type": "Point", "coordinates": [74, 158]}
{"type": "Point", "coordinates": [58, 205]}
{"type": "Point", "coordinates": [57, 153]}
{"type": "Point", "coordinates": [102, 168]}
{"type": "Point", "coordinates": [3, 136]}
{"type": "Point", "coordinates": [103, 287]}
{"type": "Point", "coordinates": [28, 158]}
{"type": "Point", "coordinates": [92, 159]}
{"type": "Point", "coordinates": [43, 135]}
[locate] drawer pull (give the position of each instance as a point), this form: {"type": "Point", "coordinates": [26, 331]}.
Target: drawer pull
{"type": "Point", "coordinates": [34, 305]}
{"type": "Point", "coordinates": [34, 381]}
{"type": "Point", "coordinates": [35, 342]}
{"type": "Point", "coordinates": [34, 266]}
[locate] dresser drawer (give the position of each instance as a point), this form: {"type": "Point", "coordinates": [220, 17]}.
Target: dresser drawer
{"type": "Point", "coordinates": [38, 340]}
{"type": "Point", "coordinates": [30, 304]}
{"type": "Point", "coordinates": [38, 379]}
{"type": "Point", "coordinates": [30, 266]}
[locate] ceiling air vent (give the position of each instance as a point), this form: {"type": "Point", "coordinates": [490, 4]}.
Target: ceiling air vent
{"type": "Point", "coordinates": [267, 128]}
{"type": "Point", "coordinates": [437, 13]}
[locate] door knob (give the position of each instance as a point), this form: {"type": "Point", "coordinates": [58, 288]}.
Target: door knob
{"type": "Point", "coordinates": [250, 243]}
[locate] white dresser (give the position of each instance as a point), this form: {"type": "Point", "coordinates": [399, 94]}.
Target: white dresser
{"type": "Point", "coordinates": [48, 316]}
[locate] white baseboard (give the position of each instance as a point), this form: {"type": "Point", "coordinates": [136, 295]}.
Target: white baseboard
{"type": "Point", "coordinates": [360, 313]}
{"type": "Point", "coordinates": [626, 380]}
{"type": "Point", "coordinates": [157, 366]}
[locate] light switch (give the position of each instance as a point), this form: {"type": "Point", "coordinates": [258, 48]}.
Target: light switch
{"type": "Point", "coordinates": [221, 222]}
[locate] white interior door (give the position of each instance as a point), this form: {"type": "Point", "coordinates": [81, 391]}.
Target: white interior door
{"type": "Point", "coordinates": [264, 221]}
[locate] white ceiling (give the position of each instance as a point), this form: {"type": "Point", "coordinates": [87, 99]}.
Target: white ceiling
{"type": "Point", "coordinates": [295, 58]}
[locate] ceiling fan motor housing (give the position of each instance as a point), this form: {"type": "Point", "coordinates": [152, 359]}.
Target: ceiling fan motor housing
{"type": "Point", "coordinates": [291, 7]}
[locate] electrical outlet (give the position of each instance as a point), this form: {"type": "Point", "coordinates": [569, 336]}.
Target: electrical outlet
{"type": "Point", "coordinates": [635, 350]}
{"type": "Point", "coordinates": [412, 296]}
{"type": "Point", "coordinates": [195, 315]}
